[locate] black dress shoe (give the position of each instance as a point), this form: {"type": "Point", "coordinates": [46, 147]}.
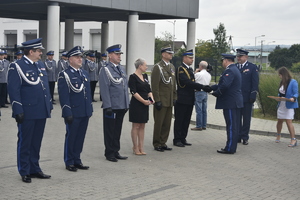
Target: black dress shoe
{"type": "Point", "coordinates": [53, 103]}
{"type": "Point", "coordinates": [245, 142]}
{"type": "Point", "coordinates": [159, 149]}
{"type": "Point", "coordinates": [166, 148]}
{"type": "Point", "coordinates": [71, 168]}
{"type": "Point", "coordinates": [81, 166]}
{"type": "Point", "coordinates": [112, 159]}
{"type": "Point", "coordinates": [40, 175]}
{"type": "Point", "coordinates": [94, 100]}
{"type": "Point", "coordinates": [121, 157]}
{"type": "Point", "coordinates": [223, 151]}
{"type": "Point", "coordinates": [26, 179]}
{"type": "Point", "coordinates": [186, 143]}
{"type": "Point", "coordinates": [179, 144]}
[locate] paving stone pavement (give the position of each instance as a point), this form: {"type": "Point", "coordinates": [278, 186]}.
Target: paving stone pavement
{"type": "Point", "coordinates": [261, 170]}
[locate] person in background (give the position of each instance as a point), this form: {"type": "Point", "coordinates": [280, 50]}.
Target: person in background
{"type": "Point", "coordinates": [52, 72]}
{"type": "Point", "coordinates": [103, 61]}
{"type": "Point", "coordinates": [114, 92]}
{"type": "Point", "coordinates": [19, 55]}
{"type": "Point", "coordinates": [201, 77]}
{"type": "Point", "coordinates": [288, 88]}
{"type": "Point", "coordinates": [76, 104]}
{"type": "Point", "coordinates": [139, 105]}
{"type": "Point", "coordinates": [4, 64]}
{"type": "Point", "coordinates": [230, 99]}
{"type": "Point", "coordinates": [91, 67]}
{"type": "Point", "coordinates": [62, 64]}
{"type": "Point", "coordinates": [31, 105]}
{"type": "Point", "coordinates": [250, 81]}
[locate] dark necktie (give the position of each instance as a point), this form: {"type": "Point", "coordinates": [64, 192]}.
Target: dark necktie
{"type": "Point", "coordinates": [241, 67]}
{"type": "Point", "coordinates": [118, 68]}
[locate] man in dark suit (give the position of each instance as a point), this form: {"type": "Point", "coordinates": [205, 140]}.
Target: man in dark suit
{"type": "Point", "coordinates": [186, 87]}
{"type": "Point", "coordinates": [230, 99]}
{"type": "Point", "coordinates": [163, 84]}
{"type": "Point", "coordinates": [250, 81]}
{"type": "Point", "coordinates": [76, 103]}
{"type": "Point", "coordinates": [31, 104]}
{"type": "Point", "coordinates": [114, 92]}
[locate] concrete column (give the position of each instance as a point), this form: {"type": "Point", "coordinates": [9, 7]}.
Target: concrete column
{"type": "Point", "coordinates": [53, 28]}
{"type": "Point", "coordinates": [191, 35]}
{"type": "Point", "coordinates": [104, 36]}
{"type": "Point", "coordinates": [43, 34]}
{"type": "Point", "coordinates": [132, 39]}
{"type": "Point", "coordinates": [69, 34]}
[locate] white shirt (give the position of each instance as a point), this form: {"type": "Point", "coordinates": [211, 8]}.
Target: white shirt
{"type": "Point", "coordinates": [203, 77]}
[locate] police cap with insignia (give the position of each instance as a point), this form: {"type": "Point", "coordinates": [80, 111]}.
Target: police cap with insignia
{"type": "Point", "coordinates": [2, 52]}
{"type": "Point", "coordinates": [33, 44]}
{"type": "Point", "coordinates": [19, 52]}
{"type": "Point", "coordinates": [167, 49]}
{"type": "Point", "coordinates": [91, 54]}
{"type": "Point", "coordinates": [74, 52]}
{"type": "Point", "coordinates": [50, 53]}
{"type": "Point", "coordinates": [104, 55]}
{"type": "Point", "coordinates": [228, 56]}
{"type": "Point", "coordinates": [115, 49]}
{"type": "Point", "coordinates": [5, 52]}
{"type": "Point", "coordinates": [241, 52]}
{"type": "Point", "coordinates": [188, 53]}
{"type": "Point", "coordinates": [64, 53]}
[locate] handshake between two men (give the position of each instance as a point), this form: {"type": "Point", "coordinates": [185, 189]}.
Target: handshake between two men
{"type": "Point", "coordinates": [207, 88]}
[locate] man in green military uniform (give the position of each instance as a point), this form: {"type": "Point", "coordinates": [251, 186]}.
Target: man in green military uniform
{"type": "Point", "coordinates": [163, 85]}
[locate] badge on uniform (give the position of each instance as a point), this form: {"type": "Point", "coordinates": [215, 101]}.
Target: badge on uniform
{"type": "Point", "coordinates": [76, 85]}
{"type": "Point", "coordinates": [72, 70]}
{"type": "Point", "coordinates": [85, 79]}
{"type": "Point", "coordinates": [27, 74]}
{"type": "Point", "coordinates": [41, 74]}
{"type": "Point", "coordinates": [32, 78]}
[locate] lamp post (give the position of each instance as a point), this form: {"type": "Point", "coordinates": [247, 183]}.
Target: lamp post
{"type": "Point", "coordinates": [267, 62]}
{"type": "Point", "coordinates": [173, 22]}
{"type": "Point", "coordinates": [255, 47]}
{"type": "Point", "coordinates": [261, 51]}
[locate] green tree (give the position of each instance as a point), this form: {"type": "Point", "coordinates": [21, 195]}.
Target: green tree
{"type": "Point", "coordinates": [161, 42]}
{"type": "Point", "coordinates": [280, 57]}
{"type": "Point", "coordinates": [204, 49]}
{"type": "Point", "coordinates": [219, 43]}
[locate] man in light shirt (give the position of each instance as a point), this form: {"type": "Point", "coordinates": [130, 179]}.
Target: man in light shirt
{"type": "Point", "coordinates": [202, 77]}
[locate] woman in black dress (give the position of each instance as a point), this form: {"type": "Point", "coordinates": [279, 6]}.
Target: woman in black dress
{"type": "Point", "coordinates": [139, 105]}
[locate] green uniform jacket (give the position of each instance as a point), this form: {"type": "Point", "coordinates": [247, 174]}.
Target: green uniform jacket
{"type": "Point", "coordinates": [164, 85]}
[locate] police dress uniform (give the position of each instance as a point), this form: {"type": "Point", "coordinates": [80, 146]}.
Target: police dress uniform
{"type": "Point", "coordinates": [92, 68]}
{"type": "Point", "coordinates": [75, 100]}
{"type": "Point", "coordinates": [29, 94]}
{"type": "Point", "coordinates": [250, 80]}
{"type": "Point", "coordinates": [62, 64]}
{"type": "Point", "coordinates": [52, 75]}
{"type": "Point", "coordinates": [163, 85]}
{"type": "Point", "coordinates": [4, 64]}
{"type": "Point", "coordinates": [114, 92]}
{"type": "Point", "coordinates": [186, 87]}
{"type": "Point", "coordinates": [230, 99]}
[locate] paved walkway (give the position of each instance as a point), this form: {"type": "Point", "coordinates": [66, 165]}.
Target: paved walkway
{"type": "Point", "coordinates": [261, 170]}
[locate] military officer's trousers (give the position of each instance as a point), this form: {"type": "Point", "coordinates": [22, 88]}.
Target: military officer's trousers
{"type": "Point", "coordinates": [232, 119]}
{"type": "Point", "coordinates": [162, 124]}
{"type": "Point", "coordinates": [246, 114]}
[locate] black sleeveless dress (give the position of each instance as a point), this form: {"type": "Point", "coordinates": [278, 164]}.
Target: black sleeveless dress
{"type": "Point", "coordinates": [138, 112]}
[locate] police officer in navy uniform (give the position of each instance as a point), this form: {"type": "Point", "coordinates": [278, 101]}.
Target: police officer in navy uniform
{"type": "Point", "coordinates": [250, 79]}
{"type": "Point", "coordinates": [31, 104]}
{"type": "Point", "coordinates": [76, 104]}
{"type": "Point", "coordinates": [62, 64]}
{"type": "Point", "coordinates": [114, 92]}
{"type": "Point", "coordinates": [52, 72]}
{"type": "Point", "coordinates": [91, 67]}
{"type": "Point", "coordinates": [19, 54]}
{"type": "Point", "coordinates": [230, 99]}
{"type": "Point", "coordinates": [4, 64]}
{"type": "Point", "coordinates": [186, 87]}
{"type": "Point", "coordinates": [103, 62]}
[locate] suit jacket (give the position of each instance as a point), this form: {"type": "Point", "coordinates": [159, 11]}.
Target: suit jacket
{"type": "Point", "coordinates": [228, 91]}
{"type": "Point", "coordinates": [250, 80]}
{"type": "Point", "coordinates": [4, 64]}
{"type": "Point", "coordinates": [165, 93]}
{"type": "Point", "coordinates": [113, 87]}
{"type": "Point", "coordinates": [186, 85]}
{"type": "Point", "coordinates": [26, 97]}
{"type": "Point", "coordinates": [292, 91]}
{"type": "Point", "coordinates": [76, 104]}
{"type": "Point", "coordinates": [51, 70]}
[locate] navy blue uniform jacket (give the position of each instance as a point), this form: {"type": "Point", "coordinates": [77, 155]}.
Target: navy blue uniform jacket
{"type": "Point", "coordinates": [250, 81]}
{"type": "Point", "coordinates": [73, 103]}
{"type": "Point", "coordinates": [228, 91]}
{"type": "Point", "coordinates": [25, 97]}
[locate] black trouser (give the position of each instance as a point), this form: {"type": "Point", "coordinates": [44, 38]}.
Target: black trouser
{"type": "Point", "coordinates": [246, 114]}
{"type": "Point", "coordinates": [93, 87]}
{"type": "Point", "coordinates": [232, 119]}
{"type": "Point", "coordinates": [183, 113]}
{"type": "Point", "coordinates": [51, 88]}
{"type": "Point", "coordinates": [112, 126]}
{"type": "Point", "coordinates": [3, 93]}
